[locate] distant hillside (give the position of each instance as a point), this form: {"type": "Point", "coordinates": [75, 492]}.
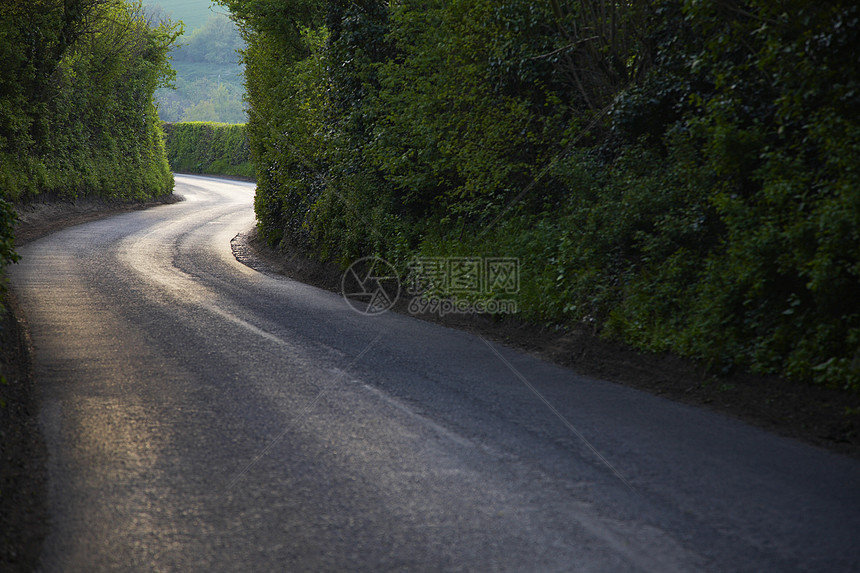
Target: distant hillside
{"type": "Point", "coordinates": [209, 81]}
{"type": "Point", "coordinates": [193, 13]}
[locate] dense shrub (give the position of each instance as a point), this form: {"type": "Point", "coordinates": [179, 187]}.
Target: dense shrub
{"type": "Point", "coordinates": [76, 110]}
{"type": "Point", "coordinates": [678, 175]}
{"type": "Point", "coordinates": [7, 240]}
{"type": "Point", "coordinates": [204, 147]}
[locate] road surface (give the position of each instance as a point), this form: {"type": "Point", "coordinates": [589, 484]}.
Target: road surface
{"type": "Point", "coordinates": [203, 416]}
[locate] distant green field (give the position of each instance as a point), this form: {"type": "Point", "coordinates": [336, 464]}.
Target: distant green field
{"type": "Point", "coordinates": [193, 13]}
{"type": "Point", "coordinates": [209, 81]}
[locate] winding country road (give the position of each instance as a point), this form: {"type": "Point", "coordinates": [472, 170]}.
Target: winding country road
{"type": "Point", "coordinates": [202, 416]}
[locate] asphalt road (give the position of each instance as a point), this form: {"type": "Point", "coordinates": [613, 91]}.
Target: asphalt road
{"type": "Point", "coordinates": [202, 416]}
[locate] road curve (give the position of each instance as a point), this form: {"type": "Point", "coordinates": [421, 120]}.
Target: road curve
{"type": "Point", "coordinates": [202, 416]}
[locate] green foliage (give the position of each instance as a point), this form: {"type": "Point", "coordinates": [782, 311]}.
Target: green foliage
{"type": "Point", "coordinates": [77, 116]}
{"type": "Point", "coordinates": [224, 103]}
{"type": "Point", "coordinates": [203, 92]}
{"type": "Point", "coordinates": [212, 148]}
{"type": "Point", "coordinates": [472, 145]}
{"type": "Point", "coordinates": [216, 42]}
{"type": "Point", "coordinates": [678, 175]}
{"type": "Point", "coordinates": [7, 240]}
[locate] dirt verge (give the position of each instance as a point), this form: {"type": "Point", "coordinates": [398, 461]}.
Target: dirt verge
{"type": "Point", "coordinates": [44, 217]}
{"type": "Point", "coordinates": [823, 417]}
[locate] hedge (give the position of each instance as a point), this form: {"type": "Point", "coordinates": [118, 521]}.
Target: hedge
{"type": "Point", "coordinates": [207, 147]}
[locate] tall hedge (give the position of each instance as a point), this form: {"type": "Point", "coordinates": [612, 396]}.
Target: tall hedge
{"type": "Point", "coordinates": [76, 110]}
{"type": "Point", "coordinates": [678, 175]}
{"type": "Point", "coordinates": [206, 147]}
